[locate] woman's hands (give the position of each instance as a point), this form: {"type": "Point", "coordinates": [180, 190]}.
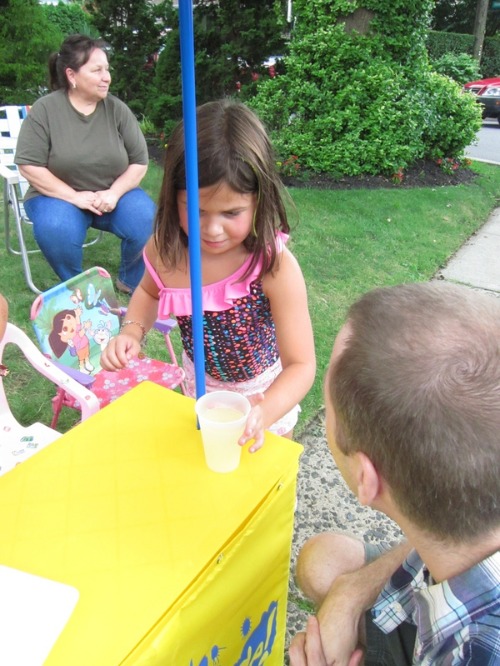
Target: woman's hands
{"type": "Point", "coordinates": [105, 201]}
{"type": "Point", "coordinates": [96, 202]}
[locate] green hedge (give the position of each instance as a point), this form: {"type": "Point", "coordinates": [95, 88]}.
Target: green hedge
{"type": "Point", "coordinates": [358, 95]}
{"type": "Point", "coordinates": [442, 43]}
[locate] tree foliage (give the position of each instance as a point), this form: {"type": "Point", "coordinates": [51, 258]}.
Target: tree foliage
{"type": "Point", "coordinates": [27, 38]}
{"type": "Point", "coordinates": [135, 31]}
{"type": "Point", "coordinates": [70, 19]}
{"type": "Point", "coordinates": [358, 95]}
{"type": "Point", "coordinates": [460, 15]}
{"type": "Point", "coordinates": [232, 39]}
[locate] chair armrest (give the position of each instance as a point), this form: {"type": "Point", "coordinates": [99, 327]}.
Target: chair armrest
{"type": "Point", "coordinates": [80, 377]}
{"type": "Point", "coordinates": [165, 325]}
{"type": "Point", "coordinates": [10, 174]}
{"type": "Point", "coordinates": [88, 401]}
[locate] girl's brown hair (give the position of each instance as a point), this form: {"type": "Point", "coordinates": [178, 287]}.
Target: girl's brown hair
{"type": "Point", "coordinates": [233, 147]}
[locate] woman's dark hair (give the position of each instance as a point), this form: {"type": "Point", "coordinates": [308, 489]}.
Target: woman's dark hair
{"type": "Point", "coordinates": [74, 52]}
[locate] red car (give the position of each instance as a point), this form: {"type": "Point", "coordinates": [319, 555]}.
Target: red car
{"type": "Point", "coordinates": [487, 92]}
{"type": "Point", "coordinates": [479, 87]}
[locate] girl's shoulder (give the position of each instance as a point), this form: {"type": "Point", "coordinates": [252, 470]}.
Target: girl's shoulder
{"type": "Point", "coordinates": [286, 275]}
{"type": "Point", "coordinates": [163, 277]}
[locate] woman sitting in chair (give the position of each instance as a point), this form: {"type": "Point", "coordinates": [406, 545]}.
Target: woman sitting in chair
{"type": "Point", "coordinates": [84, 155]}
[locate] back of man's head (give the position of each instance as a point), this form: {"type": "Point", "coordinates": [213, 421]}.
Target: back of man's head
{"type": "Point", "coordinates": [417, 388]}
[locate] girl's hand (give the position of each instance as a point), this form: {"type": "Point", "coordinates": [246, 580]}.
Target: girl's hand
{"type": "Point", "coordinates": [254, 428]}
{"type": "Point", "coordinates": [120, 351]}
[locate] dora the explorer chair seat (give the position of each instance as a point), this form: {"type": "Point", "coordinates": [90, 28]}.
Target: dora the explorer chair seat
{"type": "Point", "coordinates": [74, 321]}
{"type": "Point", "coordinates": [14, 189]}
{"type": "Point", "coordinates": [17, 442]}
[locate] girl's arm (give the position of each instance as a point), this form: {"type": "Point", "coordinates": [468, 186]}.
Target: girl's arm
{"type": "Point", "coordinates": [287, 294]}
{"type": "Point", "coordinates": [142, 310]}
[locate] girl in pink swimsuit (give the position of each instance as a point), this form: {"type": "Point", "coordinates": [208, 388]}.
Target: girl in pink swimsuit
{"type": "Point", "coordinates": [258, 336]}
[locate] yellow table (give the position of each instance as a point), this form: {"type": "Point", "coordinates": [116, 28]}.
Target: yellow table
{"type": "Point", "coordinates": [174, 564]}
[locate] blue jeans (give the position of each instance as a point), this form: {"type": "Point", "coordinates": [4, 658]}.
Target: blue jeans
{"type": "Point", "coordinates": [60, 229]}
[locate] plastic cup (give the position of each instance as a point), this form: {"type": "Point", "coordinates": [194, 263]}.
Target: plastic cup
{"type": "Point", "coordinates": [222, 416]}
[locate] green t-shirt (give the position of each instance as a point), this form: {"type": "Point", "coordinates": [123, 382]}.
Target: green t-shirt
{"type": "Point", "coordinates": [86, 152]}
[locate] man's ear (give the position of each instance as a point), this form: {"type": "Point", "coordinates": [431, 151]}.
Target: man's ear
{"type": "Point", "coordinates": [367, 479]}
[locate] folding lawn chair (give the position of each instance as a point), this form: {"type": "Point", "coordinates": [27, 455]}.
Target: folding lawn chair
{"type": "Point", "coordinates": [17, 442]}
{"type": "Point", "coordinates": [75, 320]}
{"type": "Point", "coordinates": [15, 188]}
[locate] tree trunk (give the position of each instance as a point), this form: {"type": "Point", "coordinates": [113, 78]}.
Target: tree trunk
{"type": "Point", "coordinates": [480, 28]}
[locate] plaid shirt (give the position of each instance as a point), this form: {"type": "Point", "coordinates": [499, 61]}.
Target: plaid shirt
{"type": "Point", "coordinates": [458, 621]}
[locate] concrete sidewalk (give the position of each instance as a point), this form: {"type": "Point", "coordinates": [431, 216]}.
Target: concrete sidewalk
{"type": "Point", "coordinates": [477, 263]}
{"type": "Point", "coordinates": [324, 501]}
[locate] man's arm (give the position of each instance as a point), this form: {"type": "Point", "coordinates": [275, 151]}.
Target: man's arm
{"type": "Point", "coordinates": [342, 612]}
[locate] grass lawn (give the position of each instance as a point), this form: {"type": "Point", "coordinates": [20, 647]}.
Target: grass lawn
{"type": "Point", "coordinates": [347, 242]}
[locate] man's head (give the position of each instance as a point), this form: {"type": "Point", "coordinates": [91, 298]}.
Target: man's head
{"type": "Point", "coordinates": [414, 384]}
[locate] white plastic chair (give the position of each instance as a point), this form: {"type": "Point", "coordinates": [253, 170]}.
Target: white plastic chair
{"type": "Point", "coordinates": [17, 442]}
{"type": "Point", "coordinates": [15, 188]}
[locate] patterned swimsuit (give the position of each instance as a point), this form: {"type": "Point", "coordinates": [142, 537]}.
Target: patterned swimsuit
{"type": "Point", "coordinates": [239, 336]}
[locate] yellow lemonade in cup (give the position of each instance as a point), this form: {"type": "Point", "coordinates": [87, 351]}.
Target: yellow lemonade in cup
{"type": "Point", "coordinates": [222, 416]}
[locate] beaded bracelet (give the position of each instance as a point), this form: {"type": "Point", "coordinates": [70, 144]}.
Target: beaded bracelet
{"type": "Point", "coordinates": [137, 323]}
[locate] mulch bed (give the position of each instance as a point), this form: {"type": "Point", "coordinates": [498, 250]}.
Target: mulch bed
{"type": "Point", "coordinates": [423, 173]}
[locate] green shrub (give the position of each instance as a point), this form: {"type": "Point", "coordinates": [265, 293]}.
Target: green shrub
{"type": "Point", "coordinates": [441, 43]}
{"type": "Point", "coordinates": [358, 95]}
{"type": "Point", "coordinates": [372, 125]}
{"type": "Point", "coordinates": [453, 118]}
{"type": "Point", "coordinates": [461, 67]}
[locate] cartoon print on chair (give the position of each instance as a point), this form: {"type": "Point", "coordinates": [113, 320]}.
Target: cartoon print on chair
{"type": "Point", "coordinates": [101, 334]}
{"type": "Point", "coordinates": [258, 645]}
{"type": "Point", "coordinates": [89, 297]}
{"type": "Point", "coordinates": [74, 321]}
{"type": "Point", "coordinates": [94, 299]}
{"type": "Point", "coordinates": [69, 331]}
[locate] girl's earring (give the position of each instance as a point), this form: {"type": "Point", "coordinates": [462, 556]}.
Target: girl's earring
{"type": "Point", "coordinates": [74, 85]}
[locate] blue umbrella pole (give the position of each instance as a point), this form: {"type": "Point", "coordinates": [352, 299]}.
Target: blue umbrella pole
{"type": "Point", "coordinates": [191, 153]}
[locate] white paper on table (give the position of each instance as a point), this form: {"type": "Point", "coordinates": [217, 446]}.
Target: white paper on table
{"type": "Point", "coordinates": [33, 613]}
